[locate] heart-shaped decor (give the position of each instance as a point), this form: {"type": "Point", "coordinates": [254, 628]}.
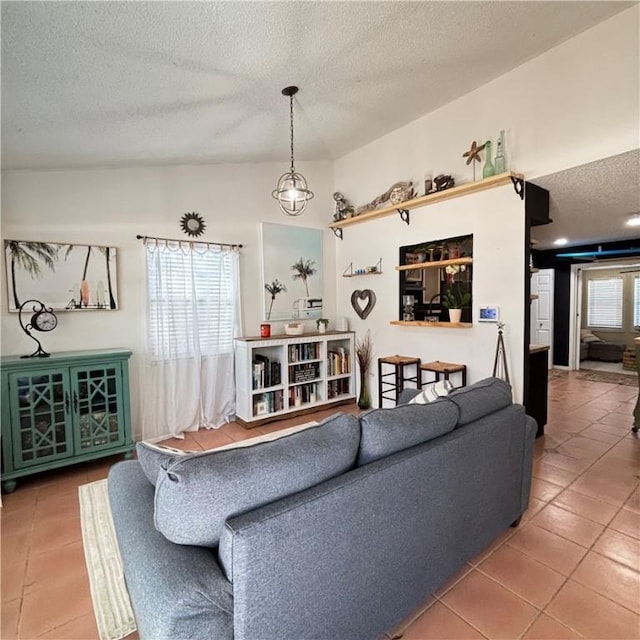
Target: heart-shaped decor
{"type": "Point", "coordinates": [367, 296]}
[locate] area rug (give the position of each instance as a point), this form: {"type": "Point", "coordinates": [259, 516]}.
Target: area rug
{"type": "Point", "coordinates": [111, 604]}
{"type": "Point", "coordinates": [607, 376]}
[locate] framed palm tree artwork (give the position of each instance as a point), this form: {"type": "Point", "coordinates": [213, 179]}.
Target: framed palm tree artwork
{"type": "Point", "coordinates": [65, 277]}
{"type": "Point", "coordinates": [292, 273]}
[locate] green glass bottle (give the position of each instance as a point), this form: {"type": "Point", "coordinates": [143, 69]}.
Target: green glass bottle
{"type": "Point", "coordinates": [499, 161]}
{"type": "Point", "coordinates": [488, 170]}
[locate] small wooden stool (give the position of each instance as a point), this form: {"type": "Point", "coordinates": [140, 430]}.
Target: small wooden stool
{"type": "Point", "coordinates": [399, 378]}
{"type": "Point", "coordinates": [446, 369]}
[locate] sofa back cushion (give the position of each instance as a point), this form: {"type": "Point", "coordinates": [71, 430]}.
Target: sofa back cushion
{"type": "Point", "coordinates": [480, 399]}
{"type": "Point", "coordinates": [195, 494]}
{"type": "Point", "coordinates": [153, 457]}
{"type": "Point", "coordinates": [385, 431]}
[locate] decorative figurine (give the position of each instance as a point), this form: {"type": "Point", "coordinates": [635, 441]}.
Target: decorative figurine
{"type": "Point", "coordinates": [443, 182]}
{"type": "Point", "coordinates": [343, 208]}
{"type": "Point", "coordinates": [473, 154]}
{"type": "Point", "coordinates": [400, 189]}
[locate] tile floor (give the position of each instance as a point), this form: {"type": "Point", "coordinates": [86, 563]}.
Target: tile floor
{"type": "Point", "coordinates": [570, 570]}
{"type": "Point", "coordinates": [610, 367]}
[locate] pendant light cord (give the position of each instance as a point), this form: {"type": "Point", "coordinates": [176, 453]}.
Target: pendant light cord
{"type": "Point", "coordinates": [291, 130]}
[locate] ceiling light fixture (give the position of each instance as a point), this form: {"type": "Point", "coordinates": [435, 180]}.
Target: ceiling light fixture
{"type": "Point", "coordinates": [292, 193]}
{"type": "Point", "coordinates": [560, 242]}
{"type": "Point", "coordinates": [634, 221]}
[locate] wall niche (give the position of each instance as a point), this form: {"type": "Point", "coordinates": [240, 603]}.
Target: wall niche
{"type": "Point", "coordinates": [430, 273]}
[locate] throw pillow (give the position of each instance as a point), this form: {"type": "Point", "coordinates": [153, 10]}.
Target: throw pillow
{"type": "Point", "coordinates": [386, 431]}
{"type": "Point", "coordinates": [587, 336]}
{"type": "Point", "coordinates": [480, 399]}
{"type": "Point", "coordinates": [432, 392]}
{"type": "Point", "coordinates": [196, 494]}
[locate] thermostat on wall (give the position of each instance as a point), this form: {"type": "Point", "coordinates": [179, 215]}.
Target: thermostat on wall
{"type": "Point", "coordinates": [489, 314]}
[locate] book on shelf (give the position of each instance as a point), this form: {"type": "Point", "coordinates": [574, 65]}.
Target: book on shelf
{"type": "Point", "coordinates": [339, 361]}
{"type": "Point", "coordinates": [265, 373]}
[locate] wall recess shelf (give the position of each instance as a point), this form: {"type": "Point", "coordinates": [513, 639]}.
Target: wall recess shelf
{"type": "Point", "coordinates": [349, 273]}
{"type": "Point", "coordinates": [433, 265]}
{"type": "Point", "coordinates": [440, 325]}
{"type": "Point", "coordinates": [431, 198]}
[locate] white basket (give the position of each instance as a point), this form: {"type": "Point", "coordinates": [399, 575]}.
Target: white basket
{"type": "Point", "coordinates": [294, 328]}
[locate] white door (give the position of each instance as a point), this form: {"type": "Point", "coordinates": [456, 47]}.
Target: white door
{"type": "Point", "coordinates": [542, 310]}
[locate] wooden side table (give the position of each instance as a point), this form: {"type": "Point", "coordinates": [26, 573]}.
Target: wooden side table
{"type": "Point", "coordinates": [444, 369]}
{"type": "Point", "coordinates": [399, 376]}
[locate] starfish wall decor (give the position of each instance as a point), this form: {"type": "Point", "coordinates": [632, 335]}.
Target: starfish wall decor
{"type": "Point", "coordinates": [473, 154]}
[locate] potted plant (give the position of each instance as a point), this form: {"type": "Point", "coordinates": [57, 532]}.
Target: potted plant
{"type": "Point", "coordinates": [455, 300]}
{"type": "Point", "coordinates": [321, 324]}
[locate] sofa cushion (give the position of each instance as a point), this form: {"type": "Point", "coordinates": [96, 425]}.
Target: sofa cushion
{"type": "Point", "coordinates": [196, 494]}
{"type": "Point", "coordinates": [432, 392]}
{"type": "Point", "coordinates": [586, 336]}
{"type": "Point", "coordinates": [153, 457]}
{"type": "Point", "coordinates": [385, 431]}
{"type": "Point", "coordinates": [480, 399]}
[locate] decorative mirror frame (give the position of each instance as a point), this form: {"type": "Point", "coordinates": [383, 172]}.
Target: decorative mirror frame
{"type": "Point", "coordinates": [192, 224]}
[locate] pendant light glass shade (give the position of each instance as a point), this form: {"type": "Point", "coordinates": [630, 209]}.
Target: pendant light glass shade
{"type": "Point", "coordinates": [292, 192]}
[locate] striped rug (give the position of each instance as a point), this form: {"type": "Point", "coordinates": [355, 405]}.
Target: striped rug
{"type": "Point", "coordinates": [111, 604]}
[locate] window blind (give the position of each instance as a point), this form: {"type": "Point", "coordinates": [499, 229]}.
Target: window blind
{"type": "Point", "coordinates": [191, 302]}
{"type": "Point", "coordinates": [604, 304]}
{"type": "Point", "coordinates": [636, 301]}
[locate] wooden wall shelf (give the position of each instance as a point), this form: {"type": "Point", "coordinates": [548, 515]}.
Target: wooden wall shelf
{"type": "Point", "coordinates": [431, 198]}
{"type": "Point", "coordinates": [433, 265]}
{"type": "Point", "coordinates": [440, 325]}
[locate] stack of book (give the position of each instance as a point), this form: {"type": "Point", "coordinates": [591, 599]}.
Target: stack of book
{"type": "Point", "coordinates": [266, 373]}
{"type": "Point", "coordinates": [338, 361]}
{"type": "Point", "coordinates": [304, 351]}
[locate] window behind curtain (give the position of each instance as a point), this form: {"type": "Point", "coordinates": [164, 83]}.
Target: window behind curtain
{"type": "Point", "coordinates": [191, 301]}
{"type": "Point", "coordinates": [604, 304]}
{"type": "Point", "coordinates": [636, 301]}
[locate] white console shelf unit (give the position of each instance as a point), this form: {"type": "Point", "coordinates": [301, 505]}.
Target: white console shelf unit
{"type": "Point", "coordinates": [283, 376]}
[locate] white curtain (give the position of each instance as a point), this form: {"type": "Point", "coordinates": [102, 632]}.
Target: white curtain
{"type": "Point", "coordinates": [193, 314]}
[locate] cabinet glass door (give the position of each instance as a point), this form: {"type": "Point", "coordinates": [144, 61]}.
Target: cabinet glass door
{"type": "Point", "coordinates": [97, 412]}
{"type": "Point", "coordinates": [40, 406]}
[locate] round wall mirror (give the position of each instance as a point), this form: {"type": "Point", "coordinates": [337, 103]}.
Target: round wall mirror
{"type": "Point", "coordinates": [192, 224]}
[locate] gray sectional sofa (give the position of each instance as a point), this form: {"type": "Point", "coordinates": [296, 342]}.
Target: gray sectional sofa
{"type": "Point", "coordinates": [336, 532]}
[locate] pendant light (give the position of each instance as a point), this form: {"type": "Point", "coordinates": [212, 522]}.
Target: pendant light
{"type": "Point", "coordinates": [292, 193]}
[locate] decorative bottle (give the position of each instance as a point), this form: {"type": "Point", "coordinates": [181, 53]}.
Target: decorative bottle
{"type": "Point", "coordinates": [488, 170]}
{"type": "Point", "coordinates": [499, 162]}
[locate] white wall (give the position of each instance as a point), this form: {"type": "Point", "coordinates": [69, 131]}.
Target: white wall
{"type": "Point", "coordinates": [575, 104]}
{"type": "Point", "coordinates": [111, 206]}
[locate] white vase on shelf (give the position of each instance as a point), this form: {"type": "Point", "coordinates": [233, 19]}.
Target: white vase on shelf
{"type": "Point", "coordinates": [455, 315]}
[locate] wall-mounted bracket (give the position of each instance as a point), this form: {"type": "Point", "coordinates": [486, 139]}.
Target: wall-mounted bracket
{"type": "Point", "coordinates": [337, 232]}
{"type": "Point", "coordinates": [404, 215]}
{"type": "Point", "coordinates": [518, 185]}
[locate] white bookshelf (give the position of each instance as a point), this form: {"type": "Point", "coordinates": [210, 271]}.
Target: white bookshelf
{"type": "Point", "coordinates": [283, 376]}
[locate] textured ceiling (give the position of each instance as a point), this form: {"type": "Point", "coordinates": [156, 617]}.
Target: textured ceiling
{"type": "Point", "coordinates": [137, 83]}
{"type": "Point", "coordinates": [128, 83]}
{"type": "Point", "coordinates": [592, 202]}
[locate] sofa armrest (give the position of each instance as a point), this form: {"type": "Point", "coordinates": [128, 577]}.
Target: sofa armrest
{"type": "Point", "coordinates": [176, 591]}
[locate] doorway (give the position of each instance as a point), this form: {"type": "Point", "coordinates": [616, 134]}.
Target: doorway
{"type": "Point", "coordinates": [628, 271]}
{"type": "Point", "coordinates": [542, 288]}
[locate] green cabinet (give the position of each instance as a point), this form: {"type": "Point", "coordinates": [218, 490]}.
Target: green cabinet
{"type": "Point", "coordinates": [68, 408]}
